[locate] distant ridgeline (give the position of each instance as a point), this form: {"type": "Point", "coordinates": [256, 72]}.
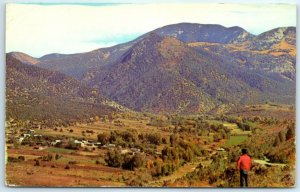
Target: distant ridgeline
{"type": "Point", "coordinates": [182, 68]}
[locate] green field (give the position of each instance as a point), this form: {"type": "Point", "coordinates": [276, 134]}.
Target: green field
{"type": "Point", "coordinates": [59, 150]}
{"type": "Point", "coordinates": [236, 139]}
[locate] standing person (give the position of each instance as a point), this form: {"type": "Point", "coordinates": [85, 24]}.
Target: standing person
{"type": "Point", "coordinates": [244, 166]}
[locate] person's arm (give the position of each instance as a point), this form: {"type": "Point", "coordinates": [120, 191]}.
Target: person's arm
{"type": "Point", "coordinates": [238, 164]}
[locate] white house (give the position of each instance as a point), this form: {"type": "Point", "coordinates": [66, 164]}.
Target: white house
{"type": "Point", "coordinates": [124, 151]}
{"type": "Point", "coordinates": [21, 139]}
{"type": "Point", "coordinates": [26, 135]}
{"type": "Point", "coordinates": [56, 142]}
{"type": "Point", "coordinates": [220, 149]}
{"type": "Point", "coordinates": [79, 143]}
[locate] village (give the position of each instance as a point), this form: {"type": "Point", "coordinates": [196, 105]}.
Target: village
{"type": "Point", "coordinates": [34, 136]}
{"type": "Point", "coordinates": [149, 151]}
{"type": "Point", "coordinates": [30, 137]}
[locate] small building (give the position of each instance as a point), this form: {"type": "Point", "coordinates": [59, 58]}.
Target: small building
{"type": "Point", "coordinates": [135, 150]}
{"type": "Point", "coordinates": [31, 131]}
{"type": "Point", "coordinates": [56, 142]}
{"type": "Point", "coordinates": [20, 140]}
{"type": "Point", "coordinates": [125, 151]}
{"type": "Point", "coordinates": [220, 149]}
{"type": "Point", "coordinates": [98, 144]}
{"type": "Point", "coordinates": [109, 145]}
{"type": "Point", "coordinates": [79, 143]}
{"type": "Point", "coordinates": [37, 136]}
{"type": "Point", "coordinates": [26, 135]}
{"type": "Point", "coordinates": [90, 145]}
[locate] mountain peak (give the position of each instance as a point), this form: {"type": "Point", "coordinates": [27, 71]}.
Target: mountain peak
{"type": "Point", "coordinates": [151, 38]}
{"type": "Point", "coordinates": [212, 33]}
{"type": "Point", "coordinates": [282, 37]}
{"type": "Point", "coordinates": [52, 56]}
{"type": "Point", "coordinates": [23, 58]}
{"type": "Point", "coordinates": [279, 33]}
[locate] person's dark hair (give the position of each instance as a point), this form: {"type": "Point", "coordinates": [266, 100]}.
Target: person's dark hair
{"type": "Point", "coordinates": [244, 151]}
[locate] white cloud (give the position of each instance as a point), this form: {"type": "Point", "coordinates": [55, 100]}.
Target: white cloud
{"type": "Point", "coordinates": [39, 30]}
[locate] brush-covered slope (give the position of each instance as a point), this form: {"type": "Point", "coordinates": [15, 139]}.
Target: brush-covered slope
{"type": "Point", "coordinates": [273, 51]}
{"type": "Point", "coordinates": [189, 68]}
{"type": "Point", "coordinates": [76, 65]}
{"type": "Point", "coordinates": [165, 75]}
{"type": "Point", "coordinates": [33, 93]}
{"type": "Point", "coordinates": [27, 59]}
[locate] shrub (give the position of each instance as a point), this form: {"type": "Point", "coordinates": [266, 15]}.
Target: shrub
{"type": "Point", "coordinates": [212, 178]}
{"type": "Point", "coordinates": [37, 162]}
{"type": "Point", "coordinates": [72, 162]}
{"type": "Point", "coordinates": [72, 145]}
{"type": "Point", "coordinates": [290, 132]}
{"type": "Point", "coordinates": [21, 158]}
{"type": "Point", "coordinates": [260, 170]}
{"type": "Point", "coordinates": [12, 159]}
{"type": "Point", "coordinates": [113, 158]}
{"type": "Point", "coordinates": [57, 156]}
{"type": "Point", "coordinates": [103, 138]}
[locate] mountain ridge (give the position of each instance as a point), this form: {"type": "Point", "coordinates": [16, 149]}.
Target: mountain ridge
{"type": "Point", "coordinates": [209, 68]}
{"type": "Point", "coordinates": [176, 62]}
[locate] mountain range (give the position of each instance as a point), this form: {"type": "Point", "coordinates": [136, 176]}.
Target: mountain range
{"type": "Point", "coordinates": [179, 68]}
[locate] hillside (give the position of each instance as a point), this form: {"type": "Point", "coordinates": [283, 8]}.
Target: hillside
{"type": "Point", "coordinates": [273, 51]}
{"type": "Point", "coordinates": [33, 93]}
{"type": "Point", "coordinates": [282, 36]}
{"type": "Point", "coordinates": [165, 75]}
{"type": "Point", "coordinates": [76, 65]}
{"type": "Point", "coordinates": [189, 68]}
{"type": "Point", "coordinates": [27, 59]}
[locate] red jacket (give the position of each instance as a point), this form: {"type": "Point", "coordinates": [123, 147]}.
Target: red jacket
{"type": "Point", "coordinates": [244, 162]}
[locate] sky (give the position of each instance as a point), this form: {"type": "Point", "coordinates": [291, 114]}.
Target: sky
{"type": "Point", "coordinates": [40, 29]}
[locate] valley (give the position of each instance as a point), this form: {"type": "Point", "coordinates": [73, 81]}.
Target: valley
{"type": "Point", "coordinates": [64, 154]}
{"type": "Point", "coordinates": [171, 108]}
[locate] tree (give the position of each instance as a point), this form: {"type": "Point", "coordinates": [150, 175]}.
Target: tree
{"type": "Point", "coordinates": [173, 139]}
{"type": "Point", "coordinates": [132, 162]}
{"type": "Point", "coordinates": [138, 160]}
{"type": "Point", "coordinates": [290, 133]}
{"type": "Point", "coordinates": [154, 138]}
{"type": "Point", "coordinates": [165, 140]}
{"type": "Point", "coordinates": [128, 162]}
{"type": "Point", "coordinates": [103, 138]}
{"type": "Point", "coordinates": [277, 141]}
{"type": "Point", "coordinates": [114, 159]}
{"type": "Point", "coordinates": [129, 136]}
{"type": "Point", "coordinates": [282, 136]}
{"type": "Point", "coordinates": [157, 171]}
{"type": "Point", "coordinates": [72, 145]}
{"type": "Point", "coordinates": [188, 156]}
{"type": "Point", "coordinates": [37, 162]}
{"type": "Point", "coordinates": [113, 136]}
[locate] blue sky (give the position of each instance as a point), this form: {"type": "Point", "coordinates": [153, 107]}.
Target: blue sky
{"type": "Point", "coordinates": [39, 29]}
